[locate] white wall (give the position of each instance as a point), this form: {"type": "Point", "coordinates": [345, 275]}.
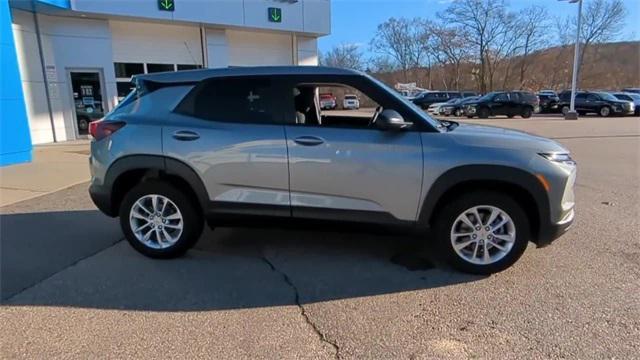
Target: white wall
{"type": "Point", "coordinates": [304, 16]}
{"type": "Point", "coordinates": [307, 50]}
{"type": "Point", "coordinates": [66, 43]}
{"type": "Point", "coordinates": [155, 43]}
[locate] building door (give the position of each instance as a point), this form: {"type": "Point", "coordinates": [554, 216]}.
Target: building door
{"type": "Point", "coordinates": [88, 104]}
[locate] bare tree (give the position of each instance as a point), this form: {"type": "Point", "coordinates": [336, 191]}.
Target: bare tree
{"type": "Point", "coordinates": [482, 23]}
{"type": "Point", "coordinates": [449, 47]}
{"type": "Point", "coordinates": [533, 21]}
{"type": "Point", "coordinates": [346, 56]}
{"type": "Point", "coordinates": [402, 40]}
{"type": "Point", "coordinates": [381, 64]}
{"type": "Point", "coordinates": [602, 21]}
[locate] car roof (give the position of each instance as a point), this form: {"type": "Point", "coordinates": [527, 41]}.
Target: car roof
{"type": "Point", "coordinates": [201, 74]}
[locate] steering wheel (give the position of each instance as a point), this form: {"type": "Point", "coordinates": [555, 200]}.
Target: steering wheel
{"type": "Point", "coordinates": [372, 122]}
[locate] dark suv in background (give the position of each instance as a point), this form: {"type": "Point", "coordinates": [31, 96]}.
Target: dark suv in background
{"type": "Point", "coordinates": [429, 98]}
{"type": "Point", "coordinates": [509, 103]}
{"type": "Point", "coordinates": [601, 103]}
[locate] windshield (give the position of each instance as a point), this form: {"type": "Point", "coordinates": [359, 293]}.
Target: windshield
{"type": "Point", "coordinates": [410, 104]}
{"type": "Point", "coordinates": [634, 96]}
{"type": "Point", "coordinates": [607, 96]}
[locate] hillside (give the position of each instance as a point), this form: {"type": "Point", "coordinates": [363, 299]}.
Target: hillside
{"type": "Point", "coordinates": [605, 66]}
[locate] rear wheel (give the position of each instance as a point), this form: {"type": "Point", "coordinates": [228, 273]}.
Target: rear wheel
{"type": "Point", "coordinates": [159, 220]}
{"type": "Point", "coordinates": [458, 112]}
{"type": "Point", "coordinates": [605, 111]}
{"type": "Point", "coordinates": [482, 232]}
{"type": "Point", "coordinates": [526, 113]}
{"type": "Point", "coordinates": [565, 110]}
{"type": "Point", "coordinates": [483, 113]}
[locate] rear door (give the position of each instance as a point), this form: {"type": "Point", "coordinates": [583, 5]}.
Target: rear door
{"type": "Point", "coordinates": [229, 131]}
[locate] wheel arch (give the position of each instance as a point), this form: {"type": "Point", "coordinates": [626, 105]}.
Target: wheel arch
{"type": "Point", "coordinates": [128, 171]}
{"type": "Point", "coordinates": [523, 186]}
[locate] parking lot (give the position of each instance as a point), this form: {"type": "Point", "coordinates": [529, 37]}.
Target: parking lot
{"type": "Point", "coordinates": [72, 288]}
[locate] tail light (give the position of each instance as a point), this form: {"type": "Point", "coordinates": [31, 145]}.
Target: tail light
{"type": "Point", "coordinates": [101, 128]}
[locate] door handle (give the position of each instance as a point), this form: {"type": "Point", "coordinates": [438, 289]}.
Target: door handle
{"type": "Point", "coordinates": [308, 140]}
{"type": "Point", "coordinates": [185, 135]}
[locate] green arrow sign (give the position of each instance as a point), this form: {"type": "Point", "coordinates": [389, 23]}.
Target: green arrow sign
{"type": "Point", "coordinates": [275, 14]}
{"type": "Point", "coordinates": [166, 5]}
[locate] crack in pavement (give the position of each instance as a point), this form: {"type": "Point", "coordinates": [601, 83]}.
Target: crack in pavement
{"type": "Point", "coordinates": [303, 312]}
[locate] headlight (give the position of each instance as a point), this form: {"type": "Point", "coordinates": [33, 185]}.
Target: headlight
{"type": "Point", "coordinates": [560, 158]}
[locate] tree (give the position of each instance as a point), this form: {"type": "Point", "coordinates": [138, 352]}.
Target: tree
{"type": "Point", "coordinates": [449, 47]}
{"type": "Point", "coordinates": [531, 36]}
{"type": "Point", "coordinates": [402, 40]}
{"type": "Point", "coordinates": [602, 21]}
{"type": "Point", "coordinates": [381, 64]}
{"type": "Point", "coordinates": [482, 22]}
{"type": "Point", "coordinates": [346, 56]}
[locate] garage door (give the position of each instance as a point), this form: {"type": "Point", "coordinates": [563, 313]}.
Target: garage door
{"type": "Point", "coordinates": [252, 48]}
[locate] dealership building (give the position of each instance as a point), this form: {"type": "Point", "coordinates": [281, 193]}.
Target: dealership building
{"type": "Point", "coordinates": [65, 63]}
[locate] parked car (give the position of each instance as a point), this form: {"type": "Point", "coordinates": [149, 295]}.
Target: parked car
{"type": "Point", "coordinates": [434, 109]}
{"type": "Point", "coordinates": [426, 99]}
{"type": "Point", "coordinates": [631, 90]}
{"type": "Point", "coordinates": [548, 102]}
{"type": "Point", "coordinates": [632, 97]}
{"type": "Point", "coordinates": [601, 103]}
{"type": "Point", "coordinates": [548, 92]}
{"type": "Point", "coordinates": [351, 102]}
{"type": "Point", "coordinates": [510, 103]}
{"type": "Point", "coordinates": [240, 146]}
{"type": "Point", "coordinates": [456, 107]}
{"type": "Point", "coordinates": [328, 101]}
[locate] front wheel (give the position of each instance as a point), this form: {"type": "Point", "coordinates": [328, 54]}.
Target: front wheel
{"type": "Point", "coordinates": [565, 110]}
{"type": "Point", "coordinates": [483, 113]}
{"type": "Point", "coordinates": [605, 111]}
{"type": "Point", "coordinates": [458, 113]}
{"type": "Point", "coordinates": [482, 232]}
{"type": "Point", "coordinates": [159, 220]}
{"type": "Point", "coordinates": [526, 113]}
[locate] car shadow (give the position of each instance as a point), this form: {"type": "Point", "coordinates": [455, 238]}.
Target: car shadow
{"type": "Point", "coordinates": [81, 263]}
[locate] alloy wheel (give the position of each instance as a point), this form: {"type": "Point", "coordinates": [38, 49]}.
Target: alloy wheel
{"type": "Point", "coordinates": [156, 221]}
{"type": "Point", "coordinates": [483, 234]}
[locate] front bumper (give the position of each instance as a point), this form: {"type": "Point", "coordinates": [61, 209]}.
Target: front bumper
{"type": "Point", "coordinates": [551, 232]}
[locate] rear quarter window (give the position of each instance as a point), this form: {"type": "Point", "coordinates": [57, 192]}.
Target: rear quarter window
{"type": "Point", "coordinates": [243, 100]}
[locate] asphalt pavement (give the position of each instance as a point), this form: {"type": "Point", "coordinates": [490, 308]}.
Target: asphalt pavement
{"type": "Point", "coordinates": [72, 289]}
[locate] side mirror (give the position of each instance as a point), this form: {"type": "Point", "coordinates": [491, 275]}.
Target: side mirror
{"type": "Point", "coordinates": [391, 120]}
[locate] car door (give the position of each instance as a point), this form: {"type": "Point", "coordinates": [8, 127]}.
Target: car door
{"type": "Point", "coordinates": [229, 131]}
{"type": "Point", "coordinates": [582, 103]}
{"type": "Point", "coordinates": [354, 173]}
{"type": "Point", "coordinates": [500, 104]}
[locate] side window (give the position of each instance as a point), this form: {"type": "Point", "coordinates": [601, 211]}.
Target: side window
{"type": "Point", "coordinates": [580, 96]}
{"type": "Point", "coordinates": [592, 97]}
{"type": "Point", "coordinates": [514, 96]}
{"type": "Point", "coordinates": [501, 97]}
{"type": "Point", "coordinates": [246, 100]}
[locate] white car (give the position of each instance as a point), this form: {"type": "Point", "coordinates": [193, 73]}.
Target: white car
{"type": "Point", "coordinates": [350, 102]}
{"type": "Point", "coordinates": [436, 108]}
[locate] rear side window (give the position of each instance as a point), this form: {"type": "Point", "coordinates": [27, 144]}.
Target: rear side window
{"type": "Point", "coordinates": [501, 97]}
{"type": "Point", "coordinates": [243, 100]}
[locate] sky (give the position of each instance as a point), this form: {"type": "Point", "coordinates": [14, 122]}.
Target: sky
{"type": "Point", "coordinates": [355, 21]}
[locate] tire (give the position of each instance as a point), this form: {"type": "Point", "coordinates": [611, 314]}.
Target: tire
{"type": "Point", "coordinates": [449, 222]}
{"type": "Point", "coordinates": [483, 113]}
{"type": "Point", "coordinates": [565, 109]}
{"type": "Point", "coordinates": [183, 239]}
{"type": "Point", "coordinates": [83, 123]}
{"type": "Point", "coordinates": [458, 113]}
{"type": "Point", "coordinates": [526, 112]}
{"type": "Point", "coordinates": [604, 111]}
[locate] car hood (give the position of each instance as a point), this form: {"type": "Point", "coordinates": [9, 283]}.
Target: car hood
{"type": "Point", "coordinates": [490, 136]}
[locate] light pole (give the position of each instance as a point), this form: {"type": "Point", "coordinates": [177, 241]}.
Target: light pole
{"type": "Point", "coordinates": [572, 114]}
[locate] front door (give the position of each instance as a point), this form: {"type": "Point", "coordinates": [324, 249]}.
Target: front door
{"type": "Point", "coordinates": [88, 101]}
{"type": "Point", "coordinates": [500, 104]}
{"type": "Point", "coordinates": [341, 167]}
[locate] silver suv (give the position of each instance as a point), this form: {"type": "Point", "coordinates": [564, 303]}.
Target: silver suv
{"type": "Point", "coordinates": [250, 146]}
